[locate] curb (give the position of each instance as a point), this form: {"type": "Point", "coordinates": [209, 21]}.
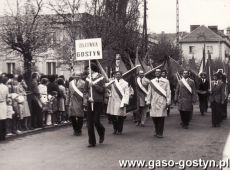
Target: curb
{"type": "Point", "coordinates": [36, 131]}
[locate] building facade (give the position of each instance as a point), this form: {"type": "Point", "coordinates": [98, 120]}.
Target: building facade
{"type": "Point", "coordinates": [48, 62]}
{"type": "Point", "coordinates": [202, 39]}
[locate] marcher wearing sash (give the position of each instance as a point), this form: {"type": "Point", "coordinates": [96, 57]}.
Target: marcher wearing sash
{"type": "Point", "coordinates": [217, 98]}
{"type": "Point", "coordinates": [159, 97]}
{"type": "Point", "coordinates": [203, 93]}
{"type": "Point", "coordinates": [185, 96]}
{"type": "Point", "coordinates": [76, 113]}
{"type": "Point", "coordinates": [118, 101]}
{"type": "Point", "coordinates": [142, 92]}
{"type": "Point", "coordinates": [164, 75]}
{"type": "Point", "coordinates": [93, 116]}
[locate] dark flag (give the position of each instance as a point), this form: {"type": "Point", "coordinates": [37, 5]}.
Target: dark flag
{"type": "Point", "coordinates": [203, 62]}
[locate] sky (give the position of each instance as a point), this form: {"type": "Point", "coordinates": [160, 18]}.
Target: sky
{"type": "Point", "coordinates": [162, 14]}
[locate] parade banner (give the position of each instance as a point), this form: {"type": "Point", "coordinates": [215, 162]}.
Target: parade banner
{"type": "Point", "coordinates": [88, 49]}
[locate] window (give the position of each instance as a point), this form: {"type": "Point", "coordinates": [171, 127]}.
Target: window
{"type": "Point", "coordinates": [191, 49]}
{"type": "Point", "coordinates": [10, 68]}
{"type": "Point", "coordinates": [51, 68]}
{"type": "Point", "coordinates": [210, 49]}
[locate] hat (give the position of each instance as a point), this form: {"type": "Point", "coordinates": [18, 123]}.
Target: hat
{"type": "Point", "coordinates": [158, 69]}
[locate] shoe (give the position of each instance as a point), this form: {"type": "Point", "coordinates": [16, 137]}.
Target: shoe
{"type": "Point", "coordinates": [102, 138]}
{"type": "Point", "coordinates": [77, 133]}
{"type": "Point", "coordinates": [9, 134]}
{"type": "Point", "coordinates": [185, 126]}
{"type": "Point", "coordinates": [137, 124]}
{"type": "Point", "coordinates": [119, 133]}
{"type": "Point", "coordinates": [159, 136]}
{"type": "Point", "coordinates": [142, 125]}
{"type": "Point", "coordinates": [91, 145]}
{"type": "Point", "coordinates": [114, 132]}
{"type": "Point", "coordinates": [18, 132]}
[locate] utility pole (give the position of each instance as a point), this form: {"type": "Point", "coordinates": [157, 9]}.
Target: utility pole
{"type": "Point", "coordinates": [144, 33]}
{"type": "Point", "coordinates": [177, 23]}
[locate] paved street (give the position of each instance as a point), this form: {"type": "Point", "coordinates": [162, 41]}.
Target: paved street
{"type": "Point", "coordinates": [60, 150]}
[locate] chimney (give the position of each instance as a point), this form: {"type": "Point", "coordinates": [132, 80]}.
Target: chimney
{"type": "Point", "coordinates": [193, 27]}
{"type": "Point", "coordinates": [213, 28]}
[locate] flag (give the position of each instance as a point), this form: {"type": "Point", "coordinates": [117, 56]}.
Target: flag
{"type": "Point", "coordinates": [122, 66]}
{"type": "Point", "coordinates": [202, 65]}
{"type": "Point", "coordinates": [209, 68]}
{"type": "Point", "coordinates": [144, 67]}
{"type": "Point", "coordinates": [130, 62]}
{"type": "Point", "coordinates": [174, 70]}
{"type": "Point", "coordinates": [102, 71]}
{"type": "Point", "coordinates": [130, 77]}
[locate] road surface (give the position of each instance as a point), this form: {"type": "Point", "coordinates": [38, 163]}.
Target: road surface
{"type": "Point", "coordinates": [60, 150]}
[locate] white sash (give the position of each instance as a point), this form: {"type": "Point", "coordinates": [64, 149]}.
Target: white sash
{"type": "Point", "coordinates": [95, 81]}
{"type": "Point", "coordinates": [186, 84]}
{"type": "Point", "coordinates": [75, 88]}
{"type": "Point", "coordinates": [141, 86]}
{"type": "Point", "coordinates": [109, 83]}
{"type": "Point", "coordinates": [119, 87]}
{"type": "Point", "coordinates": [158, 87]}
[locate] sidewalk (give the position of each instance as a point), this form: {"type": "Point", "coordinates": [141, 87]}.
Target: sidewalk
{"type": "Point", "coordinates": [37, 130]}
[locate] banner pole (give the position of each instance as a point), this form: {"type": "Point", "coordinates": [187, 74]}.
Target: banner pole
{"type": "Point", "coordinates": [91, 89]}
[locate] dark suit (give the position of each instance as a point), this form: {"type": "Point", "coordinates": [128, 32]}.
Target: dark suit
{"type": "Point", "coordinates": [36, 110]}
{"type": "Point", "coordinates": [203, 95]}
{"type": "Point", "coordinates": [185, 100]}
{"type": "Point", "coordinates": [93, 116]}
{"type": "Point", "coordinates": [217, 98]}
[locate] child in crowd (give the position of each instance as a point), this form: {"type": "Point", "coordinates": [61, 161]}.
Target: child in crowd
{"type": "Point", "coordinates": [61, 100]}
{"type": "Point", "coordinates": [10, 112]}
{"type": "Point", "coordinates": [53, 107]}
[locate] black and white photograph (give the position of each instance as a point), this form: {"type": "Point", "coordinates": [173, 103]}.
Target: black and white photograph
{"type": "Point", "coordinates": [114, 84]}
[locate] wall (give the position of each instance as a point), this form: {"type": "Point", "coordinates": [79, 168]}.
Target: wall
{"type": "Point", "coordinates": [218, 50]}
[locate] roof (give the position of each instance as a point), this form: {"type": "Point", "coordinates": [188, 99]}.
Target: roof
{"type": "Point", "coordinates": [203, 34]}
{"type": "Point", "coordinates": [168, 36]}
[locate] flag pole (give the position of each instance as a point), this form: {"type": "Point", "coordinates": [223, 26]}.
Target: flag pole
{"type": "Point", "coordinates": [209, 70]}
{"type": "Point", "coordinates": [91, 89]}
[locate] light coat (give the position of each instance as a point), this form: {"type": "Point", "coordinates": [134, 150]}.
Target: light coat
{"type": "Point", "coordinates": [157, 101]}
{"type": "Point", "coordinates": [115, 103]}
{"type": "Point", "coordinates": [4, 91]}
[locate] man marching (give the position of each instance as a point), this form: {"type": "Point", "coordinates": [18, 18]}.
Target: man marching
{"type": "Point", "coordinates": [203, 93]}
{"type": "Point", "coordinates": [217, 98]}
{"type": "Point", "coordinates": [159, 97]}
{"type": "Point", "coordinates": [76, 88]}
{"type": "Point", "coordinates": [118, 101]}
{"type": "Point", "coordinates": [93, 114]}
{"type": "Point", "coordinates": [185, 96]}
{"type": "Point", "coordinates": [142, 92]}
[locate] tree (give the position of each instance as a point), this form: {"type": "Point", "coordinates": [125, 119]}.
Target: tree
{"type": "Point", "coordinates": [164, 48]}
{"type": "Point", "coordinates": [25, 32]}
{"type": "Point", "coordinates": [69, 17]}
{"type": "Point", "coordinates": [117, 23]}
